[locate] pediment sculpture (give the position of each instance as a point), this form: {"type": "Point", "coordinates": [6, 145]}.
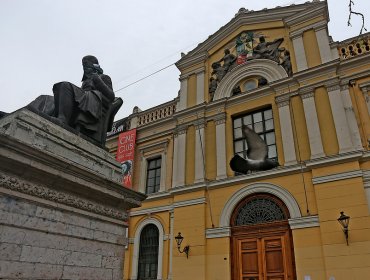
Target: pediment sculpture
{"type": "Point", "coordinates": [244, 50]}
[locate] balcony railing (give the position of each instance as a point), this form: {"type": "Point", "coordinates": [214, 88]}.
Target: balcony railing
{"type": "Point", "coordinates": [354, 46]}
{"type": "Point", "coordinates": [157, 113]}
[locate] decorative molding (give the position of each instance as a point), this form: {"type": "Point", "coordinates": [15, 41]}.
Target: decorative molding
{"type": "Point", "coordinates": [268, 69]}
{"type": "Point", "coordinates": [278, 191]}
{"type": "Point", "coordinates": [336, 177]}
{"type": "Point", "coordinates": [309, 94]}
{"type": "Point", "coordinates": [159, 145]}
{"type": "Point", "coordinates": [283, 100]}
{"type": "Point", "coordinates": [316, 26]}
{"type": "Point", "coordinates": [152, 210]}
{"type": "Point", "coordinates": [187, 61]}
{"type": "Point", "coordinates": [220, 118]}
{"type": "Point", "coordinates": [333, 87]}
{"type": "Point", "coordinates": [43, 192]}
{"type": "Point", "coordinates": [168, 208]}
{"type": "Point", "coordinates": [189, 202]}
{"type": "Point", "coordinates": [330, 160]}
{"type": "Point", "coordinates": [366, 178]}
{"type": "Point", "coordinates": [219, 232]}
{"type": "Point", "coordinates": [304, 222]}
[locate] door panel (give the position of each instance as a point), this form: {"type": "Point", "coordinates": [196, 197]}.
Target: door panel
{"type": "Point", "coordinates": [263, 254]}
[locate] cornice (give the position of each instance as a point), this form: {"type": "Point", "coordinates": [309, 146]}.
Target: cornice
{"type": "Point", "coordinates": [328, 69]}
{"type": "Point", "coordinates": [244, 17]}
{"type": "Point", "coordinates": [316, 9]}
{"type": "Point", "coordinates": [332, 160]}
{"type": "Point", "coordinates": [353, 63]}
{"type": "Point", "coordinates": [304, 222]}
{"type": "Point", "coordinates": [316, 26]}
{"type": "Point", "coordinates": [168, 208]}
{"type": "Point", "coordinates": [161, 144]}
{"type": "Point", "coordinates": [336, 177]}
{"type": "Point", "coordinates": [186, 62]}
{"type": "Point", "coordinates": [218, 232]}
{"type": "Point", "coordinates": [40, 191]}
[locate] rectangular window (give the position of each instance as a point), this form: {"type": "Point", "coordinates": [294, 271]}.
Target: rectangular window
{"type": "Point", "coordinates": [262, 123]}
{"type": "Point", "coordinates": [153, 175]}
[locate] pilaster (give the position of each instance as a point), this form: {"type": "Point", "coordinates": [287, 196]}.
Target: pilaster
{"type": "Point", "coordinates": [199, 152]}
{"type": "Point", "coordinates": [221, 146]}
{"type": "Point", "coordinates": [179, 156]}
{"type": "Point", "coordinates": [340, 120]}
{"type": "Point", "coordinates": [312, 123]}
{"type": "Point", "coordinates": [286, 129]}
{"type": "Point", "coordinates": [300, 55]}
{"type": "Point", "coordinates": [351, 118]}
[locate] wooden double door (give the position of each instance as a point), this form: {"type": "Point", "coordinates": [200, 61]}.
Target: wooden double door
{"type": "Point", "coordinates": [262, 252]}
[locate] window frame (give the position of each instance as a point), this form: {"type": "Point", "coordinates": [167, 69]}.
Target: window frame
{"type": "Point", "coordinates": [263, 132]}
{"type": "Point", "coordinates": [148, 152]}
{"type": "Point", "coordinates": [157, 174]}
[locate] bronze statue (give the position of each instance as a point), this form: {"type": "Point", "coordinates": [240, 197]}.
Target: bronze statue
{"type": "Point", "coordinates": [268, 50]}
{"type": "Point", "coordinates": [212, 88]}
{"type": "Point", "coordinates": [228, 59]}
{"type": "Point", "coordinates": [286, 63]}
{"type": "Point", "coordinates": [90, 109]}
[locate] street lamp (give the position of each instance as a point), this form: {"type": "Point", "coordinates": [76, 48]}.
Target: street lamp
{"type": "Point", "coordinates": [344, 221]}
{"type": "Point", "coordinates": [186, 249]}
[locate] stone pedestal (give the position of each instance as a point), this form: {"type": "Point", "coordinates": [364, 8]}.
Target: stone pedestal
{"type": "Point", "coordinates": [63, 210]}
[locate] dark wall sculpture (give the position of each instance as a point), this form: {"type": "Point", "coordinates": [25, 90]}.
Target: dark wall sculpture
{"type": "Point", "coordinates": [246, 49]}
{"type": "Point", "coordinates": [89, 109]}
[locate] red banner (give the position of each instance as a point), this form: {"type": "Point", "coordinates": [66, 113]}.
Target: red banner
{"type": "Point", "coordinates": [126, 154]}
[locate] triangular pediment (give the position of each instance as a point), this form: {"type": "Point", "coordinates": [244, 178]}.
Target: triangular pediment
{"type": "Point", "coordinates": [255, 21]}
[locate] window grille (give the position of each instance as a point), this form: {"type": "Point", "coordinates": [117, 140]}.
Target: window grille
{"type": "Point", "coordinates": [148, 253]}
{"type": "Point", "coordinates": [258, 210]}
{"type": "Point", "coordinates": [262, 123]}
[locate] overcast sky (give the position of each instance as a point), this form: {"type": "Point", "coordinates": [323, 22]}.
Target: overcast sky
{"type": "Point", "coordinates": [42, 42]}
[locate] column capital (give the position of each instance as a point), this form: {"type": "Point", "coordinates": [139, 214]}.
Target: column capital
{"type": "Point", "coordinates": [283, 100]}
{"type": "Point", "coordinates": [220, 118]}
{"type": "Point", "coordinates": [307, 94]}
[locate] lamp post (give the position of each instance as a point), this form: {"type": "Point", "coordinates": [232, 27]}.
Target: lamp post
{"type": "Point", "coordinates": [179, 240]}
{"type": "Point", "coordinates": [344, 221]}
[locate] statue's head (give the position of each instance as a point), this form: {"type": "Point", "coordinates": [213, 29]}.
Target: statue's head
{"type": "Point", "coordinates": [227, 51]}
{"type": "Point", "coordinates": [91, 66]}
{"type": "Point", "coordinates": [262, 39]}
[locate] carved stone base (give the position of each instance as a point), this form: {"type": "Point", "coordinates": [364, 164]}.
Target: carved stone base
{"type": "Point", "coordinates": [63, 210]}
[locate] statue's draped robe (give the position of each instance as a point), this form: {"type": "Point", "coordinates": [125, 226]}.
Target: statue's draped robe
{"type": "Point", "coordinates": [88, 99]}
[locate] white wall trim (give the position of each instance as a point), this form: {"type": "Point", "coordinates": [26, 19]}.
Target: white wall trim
{"type": "Point", "coordinates": [268, 69]}
{"type": "Point", "coordinates": [278, 191]}
{"type": "Point", "coordinates": [135, 256]}
{"type": "Point", "coordinates": [183, 203]}
{"type": "Point", "coordinates": [151, 210]}
{"type": "Point", "coordinates": [189, 202]}
{"type": "Point", "coordinates": [218, 232]}
{"type": "Point", "coordinates": [304, 222]}
{"type": "Point", "coordinates": [336, 177]}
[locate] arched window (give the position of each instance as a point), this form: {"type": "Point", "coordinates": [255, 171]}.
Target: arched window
{"type": "Point", "coordinates": [148, 253]}
{"type": "Point", "coordinates": [258, 209]}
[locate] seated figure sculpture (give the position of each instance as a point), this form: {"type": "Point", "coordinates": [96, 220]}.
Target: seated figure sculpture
{"type": "Point", "coordinates": [90, 109]}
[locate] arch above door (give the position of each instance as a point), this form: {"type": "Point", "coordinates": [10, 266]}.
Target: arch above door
{"type": "Point", "coordinates": [285, 196]}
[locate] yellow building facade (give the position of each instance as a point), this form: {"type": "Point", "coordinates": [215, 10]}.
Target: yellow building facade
{"type": "Point", "coordinates": [312, 110]}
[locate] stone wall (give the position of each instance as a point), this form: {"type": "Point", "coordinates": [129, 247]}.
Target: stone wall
{"type": "Point", "coordinates": [63, 210]}
{"type": "Point", "coordinates": [44, 242]}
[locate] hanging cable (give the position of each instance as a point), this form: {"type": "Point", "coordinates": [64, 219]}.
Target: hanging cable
{"type": "Point", "coordinates": [145, 77]}
{"type": "Point", "coordinates": [299, 155]}
{"type": "Point", "coordinates": [204, 174]}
